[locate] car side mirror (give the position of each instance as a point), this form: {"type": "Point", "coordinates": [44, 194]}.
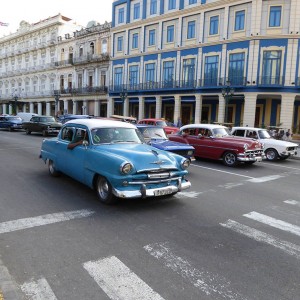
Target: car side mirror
{"type": "Point", "coordinates": [85, 143]}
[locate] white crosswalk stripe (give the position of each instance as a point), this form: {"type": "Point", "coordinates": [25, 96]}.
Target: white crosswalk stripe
{"type": "Point", "coordinates": [38, 290]}
{"type": "Point", "coordinates": [279, 224]}
{"type": "Point", "coordinates": [25, 223]}
{"type": "Point", "coordinates": [118, 281]}
{"type": "Point", "coordinates": [207, 282]}
{"type": "Point", "coordinates": [292, 202]}
{"type": "Point", "coordinates": [260, 236]}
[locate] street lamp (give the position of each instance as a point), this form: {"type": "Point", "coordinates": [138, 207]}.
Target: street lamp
{"type": "Point", "coordinates": [123, 96]}
{"type": "Point", "coordinates": [15, 97]}
{"type": "Point", "coordinates": [227, 93]}
{"type": "Point", "coordinates": [56, 96]}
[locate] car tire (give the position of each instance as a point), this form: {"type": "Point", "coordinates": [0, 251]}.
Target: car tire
{"type": "Point", "coordinates": [229, 159]}
{"type": "Point", "coordinates": [28, 131]}
{"type": "Point", "coordinates": [52, 170]}
{"type": "Point", "coordinates": [45, 133]}
{"type": "Point", "coordinates": [271, 154]}
{"type": "Point", "coordinates": [104, 190]}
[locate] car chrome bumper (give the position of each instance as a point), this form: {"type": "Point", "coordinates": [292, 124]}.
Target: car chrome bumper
{"type": "Point", "coordinates": [143, 192]}
{"type": "Point", "coordinates": [252, 158]}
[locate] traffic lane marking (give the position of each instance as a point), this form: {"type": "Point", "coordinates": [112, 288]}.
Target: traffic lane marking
{"type": "Point", "coordinates": [25, 223]}
{"type": "Point", "coordinates": [222, 171]}
{"type": "Point", "coordinates": [207, 282]}
{"type": "Point", "coordinates": [279, 165]}
{"type": "Point", "coordinates": [38, 290]}
{"type": "Point", "coordinates": [279, 224]}
{"type": "Point", "coordinates": [118, 281]}
{"type": "Point", "coordinates": [292, 202]}
{"type": "Point", "coordinates": [260, 236]}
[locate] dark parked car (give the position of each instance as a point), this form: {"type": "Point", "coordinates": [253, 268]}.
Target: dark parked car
{"type": "Point", "coordinates": [45, 124]}
{"type": "Point", "coordinates": [156, 137]}
{"type": "Point", "coordinates": [10, 122]}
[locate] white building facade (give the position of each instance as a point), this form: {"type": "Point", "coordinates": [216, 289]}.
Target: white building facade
{"type": "Point", "coordinates": [48, 68]}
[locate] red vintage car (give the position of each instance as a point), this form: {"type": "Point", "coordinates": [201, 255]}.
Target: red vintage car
{"type": "Point", "coordinates": [215, 142]}
{"type": "Point", "coordinates": [160, 122]}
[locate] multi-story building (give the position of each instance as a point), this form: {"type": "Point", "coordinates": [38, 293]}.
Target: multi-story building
{"type": "Point", "coordinates": [55, 66]}
{"type": "Point", "coordinates": [207, 61]}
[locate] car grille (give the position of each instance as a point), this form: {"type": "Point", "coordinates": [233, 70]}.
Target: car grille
{"type": "Point", "coordinates": [253, 153]}
{"type": "Point", "coordinates": [181, 152]}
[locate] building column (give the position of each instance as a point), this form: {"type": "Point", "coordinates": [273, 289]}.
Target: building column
{"type": "Point", "coordinates": [198, 108]}
{"type": "Point", "coordinates": [40, 108]}
{"type": "Point", "coordinates": [158, 107]}
{"type": "Point", "coordinates": [31, 107]}
{"type": "Point", "coordinates": [110, 106]}
{"type": "Point", "coordinates": [177, 108]}
{"type": "Point", "coordinates": [10, 109]}
{"type": "Point", "coordinates": [97, 108]}
{"type": "Point", "coordinates": [126, 107]}
{"type": "Point", "coordinates": [286, 111]}
{"type": "Point", "coordinates": [65, 106]}
{"type": "Point", "coordinates": [249, 109]}
{"type": "Point", "coordinates": [141, 108]}
{"type": "Point", "coordinates": [85, 108]}
{"type": "Point", "coordinates": [75, 107]}
{"type": "Point", "coordinates": [48, 108]}
{"type": "Point", "coordinates": [221, 111]}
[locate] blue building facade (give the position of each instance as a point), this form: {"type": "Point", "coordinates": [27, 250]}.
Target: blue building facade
{"type": "Point", "coordinates": [231, 62]}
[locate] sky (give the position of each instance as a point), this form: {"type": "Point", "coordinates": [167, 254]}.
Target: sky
{"type": "Point", "coordinates": [33, 11]}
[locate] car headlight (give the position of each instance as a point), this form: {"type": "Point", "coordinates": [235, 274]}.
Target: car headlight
{"type": "Point", "coordinates": [185, 163]}
{"type": "Point", "coordinates": [126, 168]}
{"type": "Point", "coordinates": [245, 146]}
{"type": "Point", "coordinates": [190, 152]}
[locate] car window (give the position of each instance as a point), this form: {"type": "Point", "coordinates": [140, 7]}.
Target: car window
{"type": "Point", "coordinates": [264, 134]}
{"type": "Point", "coordinates": [190, 131]}
{"type": "Point", "coordinates": [239, 132]}
{"type": "Point", "coordinates": [80, 134]}
{"type": "Point", "coordinates": [219, 132]}
{"type": "Point", "coordinates": [67, 134]}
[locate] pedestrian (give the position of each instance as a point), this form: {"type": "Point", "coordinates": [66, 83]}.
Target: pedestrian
{"type": "Point", "coordinates": [288, 135]}
{"type": "Point", "coordinates": [179, 123]}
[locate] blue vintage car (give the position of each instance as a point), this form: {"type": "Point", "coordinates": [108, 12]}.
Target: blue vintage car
{"type": "Point", "coordinates": [10, 122]}
{"type": "Point", "coordinates": [112, 158]}
{"type": "Point", "coordinates": [156, 137]}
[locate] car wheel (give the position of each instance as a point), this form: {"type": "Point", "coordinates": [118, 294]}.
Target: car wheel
{"type": "Point", "coordinates": [229, 159]}
{"type": "Point", "coordinates": [271, 154]}
{"type": "Point", "coordinates": [45, 133]}
{"type": "Point", "coordinates": [27, 131]}
{"type": "Point", "coordinates": [51, 167]}
{"type": "Point", "coordinates": [104, 190]}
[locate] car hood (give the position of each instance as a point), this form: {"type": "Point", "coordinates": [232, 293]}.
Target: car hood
{"type": "Point", "coordinates": [15, 121]}
{"type": "Point", "coordinates": [169, 145]}
{"type": "Point", "coordinates": [278, 143]}
{"type": "Point", "coordinates": [142, 156]}
{"type": "Point", "coordinates": [239, 141]}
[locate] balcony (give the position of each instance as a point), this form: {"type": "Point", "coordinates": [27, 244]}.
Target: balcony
{"type": "Point", "coordinates": [91, 90]}
{"type": "Point", "coordinates": [271, 81]}
{"type": "Point", "coordinates": [91, 58]}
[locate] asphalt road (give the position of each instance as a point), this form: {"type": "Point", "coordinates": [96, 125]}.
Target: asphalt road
{"type": "Point", "coordinates": [234, 235]}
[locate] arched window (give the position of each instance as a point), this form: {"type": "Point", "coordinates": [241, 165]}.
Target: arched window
{"type": "Point", "coordinates": [92, 48]}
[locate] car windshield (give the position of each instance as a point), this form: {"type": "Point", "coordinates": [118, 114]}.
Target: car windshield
{"type": "Point", "coordinates": [47, 119]}
{"type": "Point", "coordinates": [161, 123]}
{"type": "Point", "coordinates": [116, 135]}
{"type": "Point", "coordinates": [15, 118]}
{"type": "Point", "coordinates": [219, 132]}
{"type": "Point", "coordinates": [153, 133]}
{"type": "Point", "coordinates": [264, 134]}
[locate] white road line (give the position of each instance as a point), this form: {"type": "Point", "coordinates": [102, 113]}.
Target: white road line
{"type": "Point", "coordinates": [274, 222]}
{"type": "Point", "coordinates": [38, 290]}
{"type": "Point", "coordinates": [222, 171]}
{"type": "Point", "coordinates": [293, 202]}
{"type": "Point", "coordinates": [118, 281]}
{"type": "Point", "coordinates": [209, 283]}
{"type": "Point", "coordinates": [281, 166]}
{"type": "Point", "coordinates": [265, 178]}
{"type": "Point", "coordinates": [25, 223]}
{"type": "Point", "coordinates": [191, 194]}
{"type": "Point", "coordinates": [260, 236]}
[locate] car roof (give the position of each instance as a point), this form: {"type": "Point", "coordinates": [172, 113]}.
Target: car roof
{"type": "Point", "coordinates": [94, 123]}
{"type": "Point", "coordinates": [208, 126]}
{"type": "Point", "coordinates": [152, 119]}
{"type": "Point", "coordinates": [248, 128]}
{"type": "Point", "coordinates": [148, 126]}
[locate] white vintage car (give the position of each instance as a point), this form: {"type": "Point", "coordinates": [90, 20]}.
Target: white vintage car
{"type": "Point", "coordinates": [273, 148]}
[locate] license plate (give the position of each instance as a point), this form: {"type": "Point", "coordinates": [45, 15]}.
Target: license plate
{"type": "Point", "coordinates": [161, 192]}
{"type": "Point", "coordinates": [259, 158]}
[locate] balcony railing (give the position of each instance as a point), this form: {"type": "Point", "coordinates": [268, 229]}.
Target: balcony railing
{"type": "Point", "coordinates": [91, 58]}
{"type": "Point", "coordinates": [271, 80]}
{"type": "Point", "coordinates": [82, 91]}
